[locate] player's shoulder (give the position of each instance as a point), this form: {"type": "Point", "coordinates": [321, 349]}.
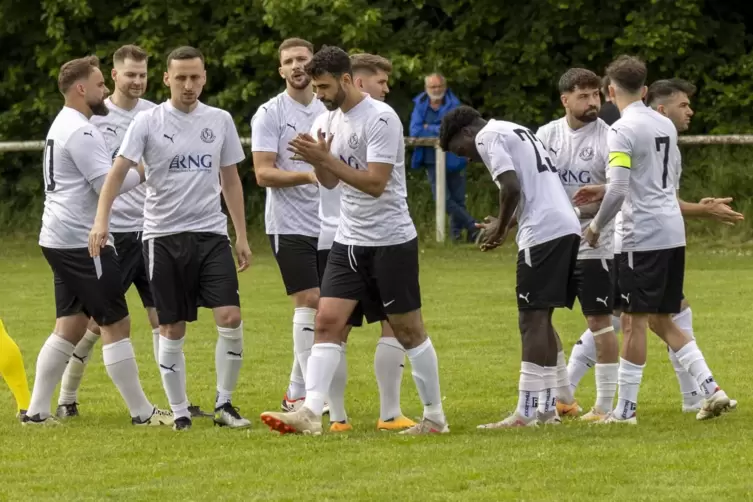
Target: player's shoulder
{"type": "Point", "coordinates": [145, 104]}
{"type": "Point", "coordinates": [70, 123]}
{"type": "Point", "coordinates": [379, 110]}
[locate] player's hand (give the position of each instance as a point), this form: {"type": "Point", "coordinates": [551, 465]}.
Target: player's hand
{"type": "Point", "coordinates": [720, 211]}
{"type": "Point", "coordinates": [313, 151]}
{"type": "Point", "coordinates": [589, 194]}
{"type": "Point", "coordinates": [312, 178]}
{"type": "Point", "coordinates": [492, 235]}
{"type": "Point", "coordinates": [243, 253]}
{"type": "Point", "coordinates": [591, 237]}
{"type": "Point", "coordinates": [98, 238]}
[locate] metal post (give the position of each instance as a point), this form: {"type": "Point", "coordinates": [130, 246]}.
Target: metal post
{"type": "Point", "coordinates": [441, 203]}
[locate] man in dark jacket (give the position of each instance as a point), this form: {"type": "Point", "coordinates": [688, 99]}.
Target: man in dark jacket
{"type": "Point", "coordinates": [430, 107]}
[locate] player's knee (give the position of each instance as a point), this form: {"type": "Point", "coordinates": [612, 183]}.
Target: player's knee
{"type": "Point", "coordinates": [228, 317]}
{"type": "Point", "coordinates": [408, 329]}
{"type": "Point", "coordinates": [308, 298]}
{"type": "Point", "coordinates": [329, 327]}
{"type": "Point", "coordinates": [598, 322]}
{"type": "Point", "coordinates": [534, 331]}
{"type": "Point", "coordinates": [387, 330]}
{"type": "Point", "coordinates": [117, 331]}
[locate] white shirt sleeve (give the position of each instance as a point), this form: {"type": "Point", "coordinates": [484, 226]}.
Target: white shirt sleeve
{"type": "Point", "coordinates": [232, 150]}
{"type": "Point", "coordinates": [494, 154]}
{"type": "Point", "coordinates": [88, 150]}
{"type": "Point", "coordinates": [265, 130]}
{"type": "Point", "coordinates": [678, 168]}
{"type": "Point", "coordinates": [543, 134]}
{"type": "Point", "coordinates": [619, 140]}
{"type": "Point", "coordinates": [383, 139]}
{"type": "Point", "coordinates": [135, 138]}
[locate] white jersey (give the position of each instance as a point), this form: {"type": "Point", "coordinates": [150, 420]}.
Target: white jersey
{"type": "Point", "coordinates": [292, 210]}
{"type": "Point", "coordinates": [329, 200]}
{"type": "Point", "coordinates": [128, 208]}
{"type": "Point", "coordinates": [544, 212]}
{"type": "Point", "coordinates": [618, 233]}
{"type": "Point", "coordinates": [183, 154]}
{"type": "Point", "coordinates": [371, 132]}
{"type": "Point", "coordinates": [581, 158]}
{"type": "Point", "coordinates": [75, 155]}
{"type": "Point", "coordinates": [651, 216]}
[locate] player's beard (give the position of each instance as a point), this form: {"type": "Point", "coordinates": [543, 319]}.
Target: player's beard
{"type": "Point", "coordinates": [297, 82]}
{"type": "Point", "coordinates": [589, 115]}
{"type": "Point", "coordinates": [337, 101]}
{"type": "Point", "coordinates": [99, 108]}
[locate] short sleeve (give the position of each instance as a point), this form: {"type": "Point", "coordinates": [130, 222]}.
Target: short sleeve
{"type": "Point", "coordinates": [265, 130]}
{"type": "Point", "coordinates": [619, 139]}
{"type": "Point", "coordinates": [232, 150]}
{"type": "Point", "coordinates": [544, 133]}
{"type": "Point", "coordinates": [88, 150]}
{"type": "Point", "coordinates": [134, 141]}
{"type": "Point", "coordinates": [383, 139]}
{"type": "Point", "coordinates": [678, 167]}
{"type": "Point", "coordinates": [494, 153]}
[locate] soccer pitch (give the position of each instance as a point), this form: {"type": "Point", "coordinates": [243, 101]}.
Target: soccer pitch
{"type": "Point", "coordinates": [469, 309]}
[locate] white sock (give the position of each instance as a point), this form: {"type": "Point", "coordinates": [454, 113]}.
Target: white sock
{"type": "Point", "coordinates": [548, 395]}
{"type": "Point", "coordinates": [74, 371]}
{"type": "Point", "coordinates": [155, 345]}
{"type": "Point", "coordinates": [691, 393]}
{"type": "Point", "coordinates": [324, 360]}
{"type": "Point", "coordinates": [629, 377]}
{"type": "Point", "coordinates": [120, 363]}
{"type": "Point", "coordinates": [582, 359]}
{"type": "Point", "coordinates": [606, 385]}
{"type": "Point", "coordinates": [50, 367]}
{"type": "Point", "coordinates": [425, 366]}
{"type": "Point", "coordinates": [303, 336]}
{"type": "Point", "coordinates": [564, 391]}
{"type": "Point", "coordinates": [692, 360]}
{"type": "Point", "coordinates": [337, 390]}
{"type": "Point", "coordinates": [389, 362]}
{"type": "Point", "coordinates": [173, 370]}
{"type": "Point", "coordinates": [616, 324]}
{"type": "Point", "coordinates": [297, 386]}
{"type": "Point", "coordinates": [228, 359]}
{"type": "Point", "coordinates": [530, 385]}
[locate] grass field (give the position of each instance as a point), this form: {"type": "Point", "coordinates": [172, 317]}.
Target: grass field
{"type": "Point", "coordinates": [469, 308]}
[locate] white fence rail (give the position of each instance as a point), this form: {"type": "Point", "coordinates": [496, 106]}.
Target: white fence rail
{"type": "Point", "coordinates": [441, 217]}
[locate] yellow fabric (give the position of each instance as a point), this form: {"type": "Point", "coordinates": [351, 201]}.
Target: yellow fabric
{"type": "Point", "coordinates": [619, 159]}
{"type": "Point", "coordinates": [12, 369]}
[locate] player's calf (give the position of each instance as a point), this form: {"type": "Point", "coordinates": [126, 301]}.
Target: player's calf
{"type": "Point", "coordinates": [228, 362]}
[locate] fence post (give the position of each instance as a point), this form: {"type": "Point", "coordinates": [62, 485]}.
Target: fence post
{"type": "Point", "coordinates": [441, 198]}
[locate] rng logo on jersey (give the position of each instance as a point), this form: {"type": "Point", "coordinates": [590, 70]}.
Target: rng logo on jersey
{"type": "Point", "coordinates": [351, 161]}
{"type": "Point", "coordinates": [191, 163]}
{"type": "Point", "coordinates": [579, 177]}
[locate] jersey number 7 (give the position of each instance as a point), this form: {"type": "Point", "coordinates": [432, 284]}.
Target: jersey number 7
{"type": "Point", "coordinates": [524, 134]}
{"type": "Point", "coordinates": [48, 167]}
{"type": "Point", "coordinates": [663, 140]}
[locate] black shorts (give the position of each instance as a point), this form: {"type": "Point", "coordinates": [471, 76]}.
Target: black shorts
{"type": "Point", "coordinates": [298, 259]}
{"type": "Point", "coordinates": [545, 274]}
{"type": "Point", "coordinates": [593, 279]}
{"type": "Point", "coordinates": [651, 282]}
{"type": "Point", "coordinates": [373, 313]}
{"type": "Point", "coordinates": [616, 282]}
{"type": "Point", "coordinates": [190, 270]}
{"type": "Point", "coordinates": [383, 278]}
{"type": "Point", "coordinates": [131, 260]}
{"type": "Point", "coordinates": [83, 284]}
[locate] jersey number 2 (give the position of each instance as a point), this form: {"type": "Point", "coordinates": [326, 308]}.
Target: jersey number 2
{"type": "Point", "coordinates": [49, 165]}
{"type": "Point", "coordinates": [524, 134]}
{"type": "Point", "coordinates": [663, 140]}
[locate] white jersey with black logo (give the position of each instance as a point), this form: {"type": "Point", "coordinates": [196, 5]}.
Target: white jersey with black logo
{"type": "Point", "coordinates": [183, 154]}
{"type": "Point", "coordinates": [128, 208]}
{"type": "Point", "coordinates": [651, 217]}
{"type": "Point", "coordinates": [544, 212]}
{"type": "Point", "coordinates": [371, 132]}
{"type": "Point", "coordinates": [75, 154]}
{"type": "Point", "coordinates": [291, 210]}
{"type": "Point", "coordinates": [329, 200]}
{"type": "Point", "coordinates": [581, 158]}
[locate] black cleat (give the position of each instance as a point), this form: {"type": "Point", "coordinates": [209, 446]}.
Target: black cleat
{"type": "Point", "coordinates": [182, 424]}
{"type": "Point", "coordinates": [67, 410]}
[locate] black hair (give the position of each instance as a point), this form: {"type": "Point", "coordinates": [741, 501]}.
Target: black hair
{"type": "Point", "coordinates": [329, 59]}
{"type": "Point", "coordinates": [662, 89]}
{"type": "Point", "coordinates": [454, 122]}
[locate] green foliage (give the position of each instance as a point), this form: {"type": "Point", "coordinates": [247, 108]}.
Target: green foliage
{"type": "Point", "coordinates": [503, 58]}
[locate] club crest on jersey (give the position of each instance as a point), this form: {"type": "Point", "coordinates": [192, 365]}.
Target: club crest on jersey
{"type": "Point", "coordinates": [353, 141]}
{"type": "Point", "coordinates": [586, 154]}
{"type": "Point", "coordinates": [207, 136]}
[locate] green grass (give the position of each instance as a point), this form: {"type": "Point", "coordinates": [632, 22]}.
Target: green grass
{"type": "Point", "coordinates": [469, 308]}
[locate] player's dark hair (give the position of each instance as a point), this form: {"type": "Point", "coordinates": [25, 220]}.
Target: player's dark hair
{"type": "Point", "coordinates": [184, 53]}
{"type": "Point", "coordinates": [133, 52]}
{"type": "Point", "coordinates": [329, 59]}
{"type": "Point", "coordinates": [605, 86]}
{"type": "Point", "coordinates": [663, 89]}
{"type": "Point", "coordinates": [370, 63]}
{"type": "Point", "coordinates": [580, 78]}
{"type": "Point", "coordinates": [75, 70]}
{"type": "Point", "coordinates": [290, 43]}
{"type": "Point", "coordinates": [627, 73]}
{"type": "Point", "coordinates": [454, 122]}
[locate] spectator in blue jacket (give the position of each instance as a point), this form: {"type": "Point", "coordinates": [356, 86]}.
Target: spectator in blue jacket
{"type": "Point", "coordinates": [430, 107]}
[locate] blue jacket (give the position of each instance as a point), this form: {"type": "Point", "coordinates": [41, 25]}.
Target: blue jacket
{"type": "Point", "coordinates": [417, 119]}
